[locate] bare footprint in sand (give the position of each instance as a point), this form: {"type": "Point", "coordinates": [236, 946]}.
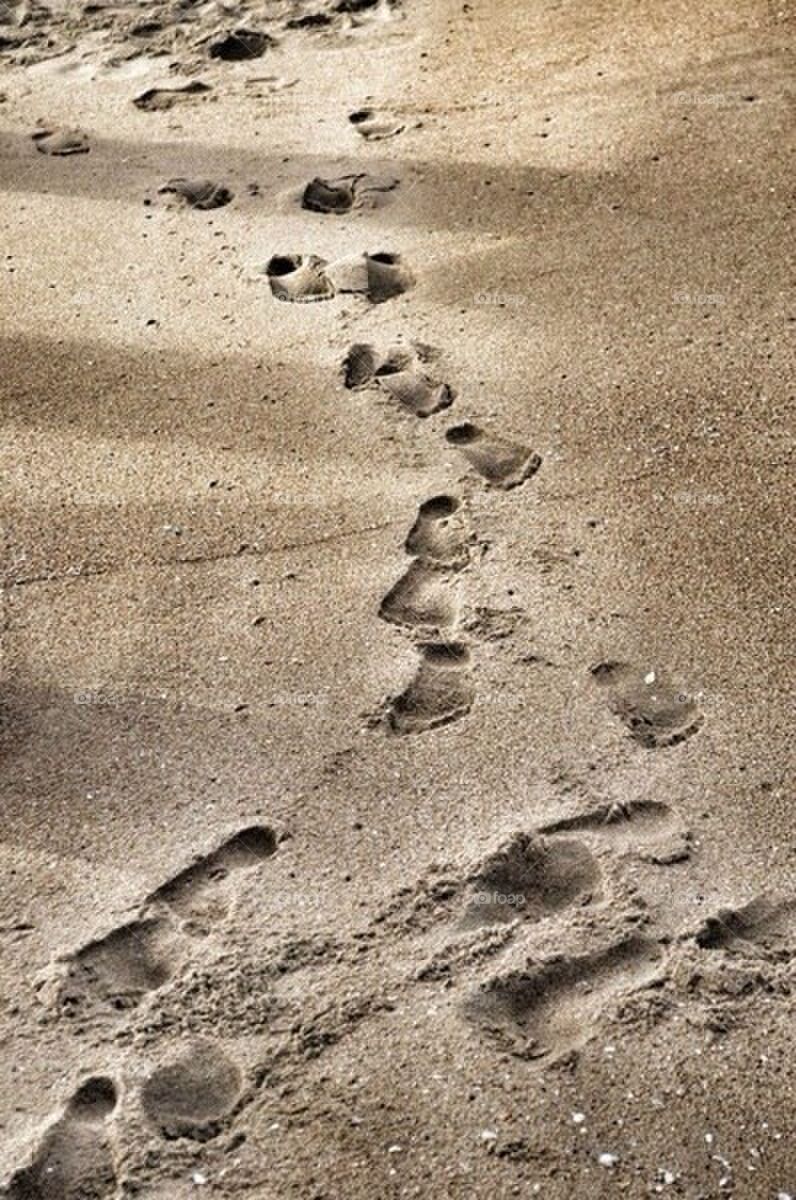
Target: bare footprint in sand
{"type": "Point", "coordinates": [74, 1160]}
{"type": "Point", "coordinates": [341, 195]}
{"type": "Point", "coordinates": [502, 463]}
{"type": "Point", "coordinates": [442, 690]}
{"type": "Point", "coordinates": [764, 927]}
{"type": "Point", "coordinates": [552, 1009]}
{"type": "Point", "coordinates": [646, 828]}
{"type": "Point", "coordinates": [440, 534]}
{"type": "Point", "coordinates": [61, 142]}
{"type": "Point", "coordinates": [114, 973]}
{"type": "Point", "coordinates": [240, 45]}
{"type": "Point", "coordinates": [373, 126]}
{"type": "Point", "coordinates": [529, 879]}
{"type": "Point", "coordinates": [398, 373]}
{"type": "Point", "coordinates": [423, 598]}
{"type": "Point", "coordinates": [199, 893]}
{"type": "Point", "coordinates": [159, 99]}
{"type": "Point", "coordinates": [304, 278]}
{"type": "Point", "coordinates": [656, 710]}
{"type": "Point", "coordinates": [203, 194]}
{"type": "Point", "coordinates": [191, 1095]}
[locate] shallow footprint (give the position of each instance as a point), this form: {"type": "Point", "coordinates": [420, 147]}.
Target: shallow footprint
{"type": "Point", "coordinates": [341, 195]}
{"type": "Point", "coordinates": [197, 892]}
{"type": "Point", "coordinates": [655, 709]}
{"type": "Point", "coordinates": [442, 690]}
{"type": "Point", "coordinates": [555, 1008]}
{"type": "Point", "coordinates": [373, 127]}
{"type": "Point", "coordinates": [160, 99]}
{"type": "Point", "coordinates": [203, 194]}
{"type": "Point", "coordinates": [117, 971]}
{"type": "Point", "coordinates": [74, 1160]}
{"type": "Point", "coordinates": [191, 1096]}
{"type": "Point", "coordinates": [424, 597]}
{"type": "Point", "coordinates": [530, 879]}
{"type": "Point", "coordinates": [297, 278]}
{"type": "Point", "coordinates": [439, 534]}
{"type": "Point", "coordinates": [764, 925]}
{"type": "Point", "coordinates": [61, 142]}
{"type": "Point", "coordinates": [502, 463]}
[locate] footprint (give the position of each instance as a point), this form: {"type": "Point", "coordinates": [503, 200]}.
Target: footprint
{"type": "Point", "coordinates": [439, 534]}
{"type": "Point", "coordinates": [298, 278]}
{"type": "Point", "coordinates": [197, 893]}
{"type": "Point", "coordinates": [655, 709]}
{"type": "Point", "coordinates": [116, 971]}
{"type": "Point", "coordinates": [61, 142]}
{"type": "Point", "coordinates": [531, 878]}
{"type": "Point", "coordinates": [396, 373]}
{"type": "Point", "coordinates": [378, 276]}
{"type": "Point", "coordinates": [502, 463]}
{"type": "Point", "coordinates": [553, 1009]}
{"type": "Point", "coordinates": [647, 828]}
{"type": "Point", "coordinates": [442, 690]}
{"type": "Point", "coordinates": [764, 925]}
{"type": "Point", "coordinates": [301, 278]}
{"type": "Point", "coordinates": [424, 597]}
{"type": "Point", "coordinates": [373, 127]}
{"type": "Point", "coordinates": [190, 1096]}
{"type": "Point", "coordinates": [343, 194]}
{"type": "Point", "coordinates": [74, 1159]}
{"type": "Point", "coordinates": [197, 193]}
{"type": "Point", "coordinates": [240, 45]}
{"type": "Point", "coordinates": [159, 99]}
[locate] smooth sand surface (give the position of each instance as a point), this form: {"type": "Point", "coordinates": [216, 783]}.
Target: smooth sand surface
{"type": "Point", "coordinates": [397, 777]}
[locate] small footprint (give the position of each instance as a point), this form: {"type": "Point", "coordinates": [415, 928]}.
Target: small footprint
{"type": "Point", "coordinates": [160, 99]}
{"type": "Point", "coordinates": [655, 709]}
{"type": "Point", "coordinates": [764, 926]}
{"type": "Point", "coordinates": [424, 597]}
{"type": "Point", "coordinates": [554, 1008]}
{"type": "Point", "coordinates": [373, 127]}
{"type": "Point", "coordinates": [197, 892]}
{"type": "Point", "coordinates": [502, 463]}
{"type": "Point", "coordinates": [240, 45]}
{"type": "Point", "coordinates": [439, 534]}
{"type": "Point", "coordinates": [343, 194]}
{"type": "Point", "coordinates": [74, 1160]}
{"type": "Point", "coordinates": [396, 372]}
{"type": "Point", "coordinates": [442, 690]}
{"type": "Point", "coordinates": [61, 142]}
{"type": "Point", "coordinates": [191, 1095]}
{"type": "Point", "coordinates": [298, 278]}
{"type": "Point", "coordinates": [203, 194]}
{"type": "Point", "coordinates": [531, 878]}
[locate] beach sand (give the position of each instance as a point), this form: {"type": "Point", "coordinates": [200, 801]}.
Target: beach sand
{"type": "Point", "coordinates": [398, 647]}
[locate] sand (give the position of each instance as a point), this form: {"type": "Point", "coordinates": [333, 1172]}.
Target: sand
{"type": "Point", "coordinates": [398, 649]}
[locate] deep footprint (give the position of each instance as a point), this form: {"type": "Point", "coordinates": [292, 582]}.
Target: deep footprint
{"type": "Point", "coordinates": [373, 127]}
{"type": "Point", "coordinates": [396, 372]}
{"type": "Point", "coordinates": [190, 1096]}
{"type": "Point", "coordinates": [502, 463]}
{"type": "Point", "coordinates": [441, 692]}
{"type": "Point", "coordinates": [203, 194]}
{"type": "Point", "coordinates": [60, 143]}
{"type": "Point", "coordinates": [240, 45]}
{"type": "Point", "coordinates": [439, 534]}
{"type": "Point", "coordinates": [379, 276]}
{"type": "Point", "coordinates": [300, 279]}
{"type": "Point", "coordinates": [161, 99]}
{"type": "Point", "coordinates": [530, 879]}
{"type": "Point", "coordinates": [197, 893]}
{"type": "Point", "coordinates": [654, 708]}
{"type": "Point", "coordinates": [424, 597]}
{"type": "Point", "coordinates": [74, 1160]}
{"type": "Point", "coordinates": [553, 1009]}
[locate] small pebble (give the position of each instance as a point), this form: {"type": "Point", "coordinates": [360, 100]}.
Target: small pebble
{"type": "Point", "coordinates": [608, 1160]}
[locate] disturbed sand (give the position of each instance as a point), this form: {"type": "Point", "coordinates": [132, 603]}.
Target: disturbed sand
{"type": "Point", "coordinates": [398, 647]}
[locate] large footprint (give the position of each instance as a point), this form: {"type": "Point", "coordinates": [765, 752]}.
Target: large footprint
{"type": "Point", "coordinates": [74, 1160]}
{"type": "Point", "coordinates": [115, 972]}
{"type": "Point", "coordinates": [656, 710]}
{"type": "Point", "coordinates": [552, 1009]}
{"type": "Point", "coordinates": [191, 1095]}
{"type": "Point", "coordinates": [441, 691]}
